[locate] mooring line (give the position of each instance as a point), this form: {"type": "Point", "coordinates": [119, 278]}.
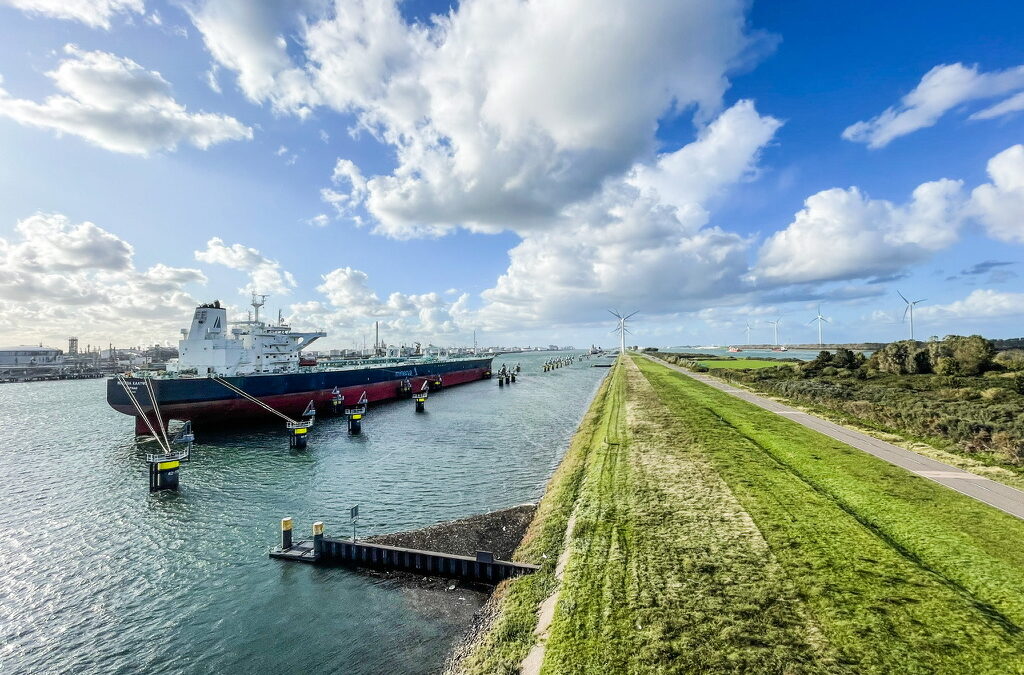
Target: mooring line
{"type": "Point", "coordinates": [142, 414]}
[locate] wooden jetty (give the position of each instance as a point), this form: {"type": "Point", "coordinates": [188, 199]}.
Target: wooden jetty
{"type": "Point", "coordinates": [321, 550]}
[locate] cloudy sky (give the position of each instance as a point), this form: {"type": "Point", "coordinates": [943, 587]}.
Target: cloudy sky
{"type": "Point", "coordinates": [512, 167]}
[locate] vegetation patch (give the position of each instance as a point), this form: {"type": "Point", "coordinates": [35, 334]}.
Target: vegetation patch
{"type": "Point", "coordinates": [957, 395]}
{"type": "Point", "coordinates": [739, 364]}
{"type": "Point", "coordinates": [901, 574]}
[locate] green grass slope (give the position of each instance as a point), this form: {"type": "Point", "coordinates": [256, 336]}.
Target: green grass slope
{"type": "Point", "coordinates": [900, 573]}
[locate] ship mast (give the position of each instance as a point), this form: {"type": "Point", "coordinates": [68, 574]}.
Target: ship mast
{"type": "Point", "coordinates": [256, 304]}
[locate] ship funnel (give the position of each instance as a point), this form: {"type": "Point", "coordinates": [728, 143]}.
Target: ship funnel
{"type": "Point", "coordinates": [208, 323]}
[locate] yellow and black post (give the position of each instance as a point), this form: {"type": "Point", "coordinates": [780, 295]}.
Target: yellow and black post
{"type": "Point", "coordinates": [298, 436]}
{"type": "Point", "coordinates": [163, 475]}
{"type": "Point", "coordinates": [421, 397]}
{"type": "Point", "coordinates": [337, 402]}
{"type": "Point", "coordinates": [286, 534]}
{"type": "Point", "coordinates": [318, 538]}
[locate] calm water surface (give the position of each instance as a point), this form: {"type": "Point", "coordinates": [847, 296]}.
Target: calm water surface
{"type": "Point", "coordinates": [101, 576]}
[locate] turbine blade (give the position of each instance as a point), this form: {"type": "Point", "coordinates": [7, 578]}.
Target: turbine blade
{"type": "Point", "coordinates": [921, 300]}
{"type": "Point", "coordinates": [633, 314]}
{"type": "Point", "coordinates": [614, 313]}
{"type": "Point", "coordinates": [812, 321]}
{"type": "Point", "coordinates": [905, 312]}
{"type": "Point", "coordinates": [902, 296]}
{"type": "Point", "coordinates": [825, 320]}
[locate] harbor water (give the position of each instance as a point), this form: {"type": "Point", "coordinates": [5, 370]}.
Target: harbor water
{"type": "Point", "coordinates": [99, 575]}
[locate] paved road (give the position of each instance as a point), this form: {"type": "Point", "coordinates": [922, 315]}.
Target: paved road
{"type": "Point", "coordinates": [1003, 497]}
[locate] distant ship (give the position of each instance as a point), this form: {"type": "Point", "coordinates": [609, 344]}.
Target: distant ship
{"type": "Point", "coordinates": [735, 349]}
{"type": "Point", "coordinates": [264, 361]}
{"type": "Point", "coordinates": [783, 348]}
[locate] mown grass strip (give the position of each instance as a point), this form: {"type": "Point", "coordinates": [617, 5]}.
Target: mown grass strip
{"type": "Point", "coordinates": [505, 643]}
{"type": "Point", "coordinates": [667, 572]}
{"type": "Point", "coordinates": [900, 573]}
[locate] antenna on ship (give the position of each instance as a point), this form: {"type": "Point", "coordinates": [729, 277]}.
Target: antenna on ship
{"type": "Point", "coordinates": [256, 304]}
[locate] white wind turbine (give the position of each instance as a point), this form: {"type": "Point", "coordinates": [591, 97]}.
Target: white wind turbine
{"type": "Point", "coordinates": [820, 319]}
{"type": "Point", "coordinates": [621, 328]}
{"type": "Point", "coordinates": [775, 328]}
{"type": "Point", "coordinates": [910, 309]}
{"type": "Point", "coordinates": [748, 333]}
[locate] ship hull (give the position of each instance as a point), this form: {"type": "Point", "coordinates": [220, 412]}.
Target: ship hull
{"type": "Point", "coordinates": [209, 404]}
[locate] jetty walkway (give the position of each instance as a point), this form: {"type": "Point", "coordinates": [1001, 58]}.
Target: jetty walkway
{"type": "Point", "coordinates": [1002, 497]}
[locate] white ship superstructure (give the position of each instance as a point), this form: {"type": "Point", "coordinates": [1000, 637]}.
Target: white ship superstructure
{"type": "Point", "coordinates": [250, 347]}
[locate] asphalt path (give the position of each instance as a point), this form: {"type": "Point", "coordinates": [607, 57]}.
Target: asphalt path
{"type": "Point", "coordinates": [1002, 497]}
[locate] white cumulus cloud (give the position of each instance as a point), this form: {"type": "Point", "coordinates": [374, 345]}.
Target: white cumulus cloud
{"type": "Point", "coordinates": [265, 275]}
{"type": "Point", "coordinates": [95, 13]}
{"type": "Point", "coordinates": [1000, 204]}
{"type": "Point", "coordinates": [492, 126]}
{"type": "Point", "coordinates": [980, 304]}
{"type": "Point", "coordinates": [63, 278]}
{"type": "Point", "coordinates": [844, 234]}
{"type": "Point", "coordinates": [115, 103]}
{"type": "Point", "coordinates": [940, 90]}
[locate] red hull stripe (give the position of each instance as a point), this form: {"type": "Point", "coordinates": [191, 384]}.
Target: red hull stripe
{"type": "Point", "coordinates": [293, 404]}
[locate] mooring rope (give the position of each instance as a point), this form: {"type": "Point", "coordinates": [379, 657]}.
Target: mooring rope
{"type": "Point", "coordinates": [142, 414]}
{"type": "Point", "coordinates": [156, 409]}
{"type": "Point", "coordinates": [254, 400]}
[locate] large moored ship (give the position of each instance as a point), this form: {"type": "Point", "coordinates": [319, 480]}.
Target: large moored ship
{"type": "Point", "coordinates": [264, 360]}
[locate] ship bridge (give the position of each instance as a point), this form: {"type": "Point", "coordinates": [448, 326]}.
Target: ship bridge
{"type": "Point", "coordinates": [210, 348]}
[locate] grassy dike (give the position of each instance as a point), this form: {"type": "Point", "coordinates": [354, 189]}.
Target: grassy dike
{"type": "Point", "coordinates": [509, 636]}
{"type": "Point", "coordinates": [711, 535]}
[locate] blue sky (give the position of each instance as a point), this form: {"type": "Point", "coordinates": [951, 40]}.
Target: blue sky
{"type": "Point", "coordinates": [514, 168]}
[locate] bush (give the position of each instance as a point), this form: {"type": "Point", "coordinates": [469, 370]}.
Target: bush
{"type": "Point", "coordinates": [973, 354]}
{"type": "Point", "coordinates": [1018, 383]}
{"type": "Point", "coordinates": [1011, 359]}
{"type": "Point", "coordinates": [995, 394]}
{"type": "Point", "coordinates": [946, 365]}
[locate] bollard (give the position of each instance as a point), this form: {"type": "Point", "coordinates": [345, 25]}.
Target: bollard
{"type": "Point", "coordinates": [420, 400]}
{"type": "Point", "coordinates": [513, 377]}
{"type": "Point", "coordinates": [501, 381]}
{"type": "Point", "coordinates": [355, 424]}
{"type": "Point", "coordinates": [163, 475]}
{"type": "Point", "coordinates": [297, 440]}
{"type": "Point", "coordinates": [405, 389]}
{"type": "Point", "coordinates": [337, 405]}
{"type": "Point", "coordinates": [318, 538]}
{"type": "Point", "coordinates": [286, 533]}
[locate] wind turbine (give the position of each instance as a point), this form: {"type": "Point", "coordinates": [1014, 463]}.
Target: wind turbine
{"type": "Point", "coordinates": [775, 327]}
{"type": "Point", "coordinates": [910, 309]}
{"type": "Point", "coordinates": [748, 333]}
{"type": "Point", "coordinates": [621, 328]}
{"type": "Point", "coordinates": [819, 319]}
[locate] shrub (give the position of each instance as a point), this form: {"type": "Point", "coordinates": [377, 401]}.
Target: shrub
{"type": "Point", "coordinates": [1010, 449]}
{"type": "Point", "coordinates": [945, 365]}
{"type": "Point", "coordinates": [973, 354]}
{"type": "Point", "coordinates": [995, 394]}
{"type": "Point", "coordinates": [1018, 383]}
{"type": "Point", "coordinates": [1011, 359]}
